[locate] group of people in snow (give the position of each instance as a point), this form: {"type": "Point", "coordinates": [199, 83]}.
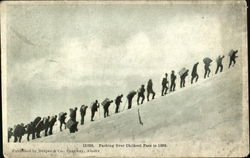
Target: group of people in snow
{"type": "Point", "coordinates": [46, 124]}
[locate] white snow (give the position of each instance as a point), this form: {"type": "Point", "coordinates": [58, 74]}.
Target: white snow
{"type": "Point", "coordinates": [207, 110]}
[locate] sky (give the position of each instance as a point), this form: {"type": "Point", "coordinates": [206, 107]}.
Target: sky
{"type": "Point", "coordinates": [64, 55]}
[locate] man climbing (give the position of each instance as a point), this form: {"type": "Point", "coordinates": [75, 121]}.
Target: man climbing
{"type": "Point", "coordinates": [219, 64]}
{"type": "Point", "coordinates": [46, 126]}
{"type": "Point", "coordinates": [173, 78]}
{"type": "Point", "coordinates": [83, 113]}
{"type": "Point", "coordinates": [207, 62]}
{"type": "Point", "coordinates": [51, 124]}
{"type": "Point", "coordinates": [94, 109]}
{"type": "Point", "coordinates": [19, 131]}
{"type": "Point", "coordinates": [165, 85]}
{"type": "Point", "coordinates": [72, 123]}
{"type": "Point", "coordinates": [35, 122]}
{"type": "Point", "coordinates": [73, 118]}
{"type": "Point", "coordinates": [150, 89]}
{"type": "Point", "coordinates": [183, 76]}
{"type": "Point", "coordinates": [106, 108]}
{"type": "Point", "coordinates": [130, 97]}
{"type": "Point", "coordinates": [194, 73]}
{"type": "Point", "coordinates": [118, 101]}
{"type": "Point", "coordinates": [39, 128]}
{"type": "Point", "coordinates": [232, 55]}
{"type": "Point", "coordinates": [73, 114]}
{"type": "Point", "coordinates": [61, 119]}
{"type": "Point", "coordinates": [10, 133]}
{"type": "Point", "coordinates": [141, 92]}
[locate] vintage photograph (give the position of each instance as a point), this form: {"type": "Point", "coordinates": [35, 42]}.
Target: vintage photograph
{"type": "Point", "coordinates": [124, 78]}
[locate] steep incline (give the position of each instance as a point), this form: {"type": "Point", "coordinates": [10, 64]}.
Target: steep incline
{"type": "Point", "coordinates": [208, 109]}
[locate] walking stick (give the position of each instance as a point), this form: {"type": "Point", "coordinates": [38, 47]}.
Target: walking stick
{"type": "Point", "coordinates": [99, 111]}
{"type": "Point", "coordinates": [139, 116]}
{"type": "Point", "coordinates": [125, 104]}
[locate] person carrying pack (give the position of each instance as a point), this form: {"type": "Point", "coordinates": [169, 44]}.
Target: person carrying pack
{"type": "Point", "coordinates": [10, 133]}
{"type": "Point", "coordinates": [165, 85]}
{"type": "Point", "coordinates": [150, 89]}
{"type": "Point", "coordinates": [232, 55]}
{"type": "Point", "coordinates": [94, 108]}
{"type": "Point", "coordinates": [52, 123]}
{"type": "Point", "coordinates": [207, 62]}
{"type": "Point", "coordinates": [118, 101]}
{"type": "Point", "coordinates": [173, 84]}
{"type": "Point", "coordinates": [39, 128]}
{"type": "Point", "coordinates": [35, 122]}
{"type": "Point", "coordinates": [194, 73]}
{"type": "Point", "coordinates": [130, 97]}
{"type": "Point", "coordinates": [140, 94]}
{"type": "Point", "coordinates": [83, 113]}
{"type": "Point", "coordinates": [30, 130]}
{"type": "Point", "coordinates": [61, 119]}
{"type": "Point", "coordinates": [18, 132]}
{"type": "Point", "coordinates": [106, 103]}
{"type": "Point", "coordinates": [46, 126]}
{"type": "Point", "coordinates": [219, 64]}
{"type": "Point", "coordinates": [183, 74]}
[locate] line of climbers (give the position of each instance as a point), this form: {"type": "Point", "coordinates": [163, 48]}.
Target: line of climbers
{"type": "Point", "coordinates": [35, 127]}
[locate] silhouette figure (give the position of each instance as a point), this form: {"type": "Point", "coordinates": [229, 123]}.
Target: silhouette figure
{"type": "Point", "coordinates": [165, 85]}
{"type": "Point", "coordinates": [19, 131]}
{"type": "Point", "coordinates": [207, 62]}
{"type": "Point", "coordinates": [106, 108]}
{"type": "Point", "coordinates": [233, 56]}
{"type": "Point", "coordinates": [141, 92]}
{"type": "Point", "coordinates": [39, 128]}
{"type": "Point", "coordinates": [118, 101]}
{"type": "Point", "coordinates": [130, 97]}
{"type": "Point", "coordinates": [150, 89]}
{"type": "Point", "coordinates": [183, 77]}
{"type": "Point", "coordinates": [83, 113]}
{"type": "Point", "coordinates": [173, 78]}
{"type": "Point", "coordinates": [51, 124]}
{"type": "Point", "coordinates": [194, 73]}
{"type": "Point", "coordinates": [61, 119]}
{"type": "Point", "coordinates": [219, 64]}
{"type": "Point", "coordinates": [94, 109]}
{"type": "Point", "coordinates": [10, 133]}
{"type": "Point", "coordinates": [46, 126]}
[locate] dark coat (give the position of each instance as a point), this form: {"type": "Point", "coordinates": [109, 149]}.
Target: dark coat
{"type": "Point", "coordinates": [141, 91]}
{"type": "Point", "coordinates": [19, 131]}
{"type": "Point", "coordinates": [40, 126]}
{"type": "Point", "coordinates": [52, 122]}
{"type": "Point", "coordinates": [36, 121]}
{"type": "Point", "coordinates": [173, 77]}
{"type": "Point", "coordinates": [30, 127]}
{"type": "Point", "coordinates": [118, 100]}
{"type": "Point", "coordinates": [94, 107]}
{"type": "Point", "coordinates": [83, 110]}
{"type": "Point", "coordinates": [46, 123]}
{"type": "Point", "coordinates": [194, 71]}
{"type": "Point", "coordinates": [131, 95]}
{"type": "Point", "coordinates": [183, 76]}
{"type": "Point", "coordinates": [164, 81]}
{"type": "Point", "coordinates": [234, 55]}
{"type": "Point", "coordinates": [62, 116]}
{"type": "Point", "coordinates": [106, 106]}
{"type": "Point", "coordinates": [150, 85]}
{"type": "Point", "coordinates": [73, 114]}
{"type": "Point", "coordinates": [219, 60]}
{"type": "Point", "coordinates": [10, 133]}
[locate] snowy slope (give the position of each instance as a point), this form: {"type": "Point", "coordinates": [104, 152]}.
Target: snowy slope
{"type": "Point", "coordinates": [211, 108]}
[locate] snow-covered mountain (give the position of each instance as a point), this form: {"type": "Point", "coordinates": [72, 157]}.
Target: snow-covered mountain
{"type": "Point", "coordinates": [208, 109]}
